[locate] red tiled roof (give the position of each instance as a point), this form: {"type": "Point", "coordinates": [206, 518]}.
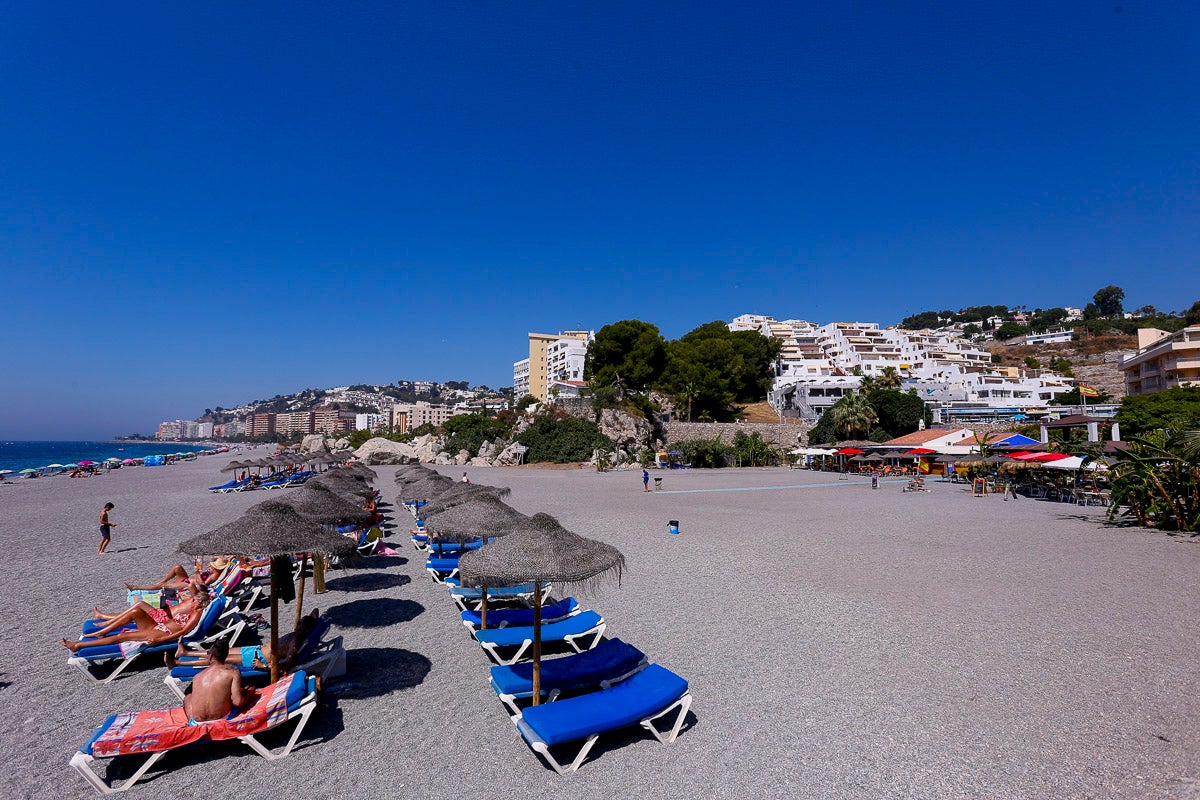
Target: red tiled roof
{"type": "Point", "coordinates": [921, 437]}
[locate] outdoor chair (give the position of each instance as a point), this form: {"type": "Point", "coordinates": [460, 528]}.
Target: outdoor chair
{"type": "Point", "coordinates": [645, 698]}
{"type": "Point", "coordinates": [508, 617]}
{"type": "Point", "coordinates": [157, 732]}
{"type": "Point", "coordinates": [206, 632]}
{"type": "Point", "coordinates": [605, 665]}
{"type": "Point", "coordinates": [581, 631]}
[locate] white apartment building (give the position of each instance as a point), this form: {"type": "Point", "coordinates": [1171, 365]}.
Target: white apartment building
{"type": "Point", "coordinates": [188, 429]}
{"type": "Point", "coordinates": [1050, 337]}
{"type": "Point", "coordinates": [816, 366]}
{"type": "Point", "coordinates": [370, 422]}
{"type": "Point", "coordinates": [552, 357]}
{"type": "Point", "coordinates": [205, 430]}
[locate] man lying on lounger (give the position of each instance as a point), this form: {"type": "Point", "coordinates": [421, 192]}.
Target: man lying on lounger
{"type": "Point", "coordinates": [256, 657]}
{"type": "Point", "coordinates": [216, 691]}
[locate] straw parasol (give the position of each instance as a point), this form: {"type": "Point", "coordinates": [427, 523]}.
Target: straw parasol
{"type": "Point", "coordinates": [483, 516]}
{"type": "Point", "coordinates": [541, 551]}
{"type": "Point", "coordinates": [344, 484]}
{"type": "Point", "coordinates": [232, 466]}
{"type": "Point", "coordinates": [427, 488]}
{"type": "Point", "coordinates": [271, 528]}
{"type": "Point", "coordinates": [464, 492]}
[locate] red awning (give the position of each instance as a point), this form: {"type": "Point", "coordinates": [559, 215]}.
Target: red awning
{"type": "Point", "coordinates": [918, 451]}
{"type": "Point", "coordinates": [1048, 457]}
{"type": "Point", "coordinates": [849, 451]}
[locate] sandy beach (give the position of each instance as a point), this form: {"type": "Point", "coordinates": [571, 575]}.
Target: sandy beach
{"type": "Point", "coordinates": [839, 642]}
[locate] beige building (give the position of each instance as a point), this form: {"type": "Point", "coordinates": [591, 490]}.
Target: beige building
{"type": "Point", "coordinates": [552, 356]}
{"type": "Point", "coordinates": [1163, 361]}
{"type": "Point", "coordinates": [408, 417]}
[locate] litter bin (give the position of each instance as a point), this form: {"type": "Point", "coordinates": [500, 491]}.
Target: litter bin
{"type": "Point", "coordinates": [657, 484]}
{"type": "Point", "coordinates": [673, 527]}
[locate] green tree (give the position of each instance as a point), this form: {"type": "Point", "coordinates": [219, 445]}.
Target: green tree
{"type": "Point", "coordinates": [853, 416]}
{"type": "Point", "coordinates": [710, 368]}
{"type": "Point", "coordinates": [753, 451]}
{"type": "Point", "coordinates": [921, 321]}
{"type": "Point", "coordinates": [1032, 363]}
{"type": "Point", "coordinates": [1010, 330]}
{"type": "Point", "coordinates": [898, 413]}
{"type": "Point", "coordinates": [1074, 398]}
{"type": "Point", "coordinates": [630, 354]}
{"type": "Point", "coordinates": [1192, 317]}
{"type": "Point", "coordinates": [889, 378]}
{"type": "Point", "coordinates": [701, 453]}
{"type": "Point", "coordinates": [1170, 408]}
{"type": "Point", "coordinates": [1109, 301]}
{"type": "Point", "coordinates": [1158, 480]}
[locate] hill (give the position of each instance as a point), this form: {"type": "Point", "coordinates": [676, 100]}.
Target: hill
{"type": "Point", "coordinates": [1094, 359]}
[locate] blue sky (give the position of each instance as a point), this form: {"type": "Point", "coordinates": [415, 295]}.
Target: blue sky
{"type": "Point", "coordinates": [205, 204]}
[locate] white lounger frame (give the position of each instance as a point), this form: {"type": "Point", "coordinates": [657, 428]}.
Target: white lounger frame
{"type": "Point", "coordinates": [320, 660]}
{"type": "Point", "coordinates": [81, 761]}
{"type": "Point", "coordinates": [511, 700]}
{"type": "Point", "coordinates": [573, 639]}
{"type": "Point", "coordinates": [666, 737]}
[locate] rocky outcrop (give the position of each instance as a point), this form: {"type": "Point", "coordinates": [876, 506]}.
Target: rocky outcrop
{"type": "Point", "coordinates": [443, 458]}
{"type": "Point", "coordinates": [625, 430]}
{"type": "Point", "coordinates": [427, 448]}
{"type": "Point", "coordinates": [314, 443]}
{"type": "Point", "coordinates": [340, 444]}
{"type": "Point", "coordinates": [385, 451]}
{"type": "Point", "coordinates": [462, 458]}
{"type": "Point", "coordinates": [509, 456]}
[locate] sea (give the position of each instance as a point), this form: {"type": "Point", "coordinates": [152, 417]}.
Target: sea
{"type": "Point", "coordinates": [35, 455]}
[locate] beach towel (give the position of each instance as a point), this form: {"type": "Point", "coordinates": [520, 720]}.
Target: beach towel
{"type": "Point", "coordinates": [384, 550]}
{"type": "Point", "coordinates": [130, 648]}
{"type": "Point", "coordinates": [165, 729]}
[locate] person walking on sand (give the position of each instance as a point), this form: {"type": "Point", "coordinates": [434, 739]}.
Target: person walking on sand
{"type": "Point", "coordinates": [645, 479]}
{"type": "Point", "coordinates": [106, 526]}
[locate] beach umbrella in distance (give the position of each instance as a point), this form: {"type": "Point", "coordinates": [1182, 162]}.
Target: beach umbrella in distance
{"type": "Point", "coordinates": [29, 471]}
{"type": "Point", "coordinates": [542, 551]}
{"type": "Point", "coordinates": [464, 492]}
{"type": "Point", "coordinates": [483, 517]}
{"type": "Point", "coordinates": [272, 529]}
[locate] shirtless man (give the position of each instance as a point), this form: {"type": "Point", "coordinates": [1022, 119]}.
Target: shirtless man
{"type": "Point", "coordinates": [217, 691]}
{"type": "Point", "coordinates": [252, 657]}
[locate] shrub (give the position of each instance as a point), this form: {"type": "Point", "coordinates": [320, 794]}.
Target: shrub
{"type": "Point", "coordinates": [703, 453]}
{"type": "Point", "coordinates": [469, 431]}
{"type": "Point", "coordinates": [561, 440]}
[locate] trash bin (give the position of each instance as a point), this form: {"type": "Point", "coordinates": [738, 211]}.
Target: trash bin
{"type": "Point", "coordinates": [657, 484]}
{"type": "Point", "coordinates": [673, 527]}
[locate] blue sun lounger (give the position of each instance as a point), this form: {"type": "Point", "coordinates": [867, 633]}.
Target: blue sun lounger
{"type": "Point", "coordinates": [470, 597]}
{"type": "Point", "coordinates": [643, 699]}
{"type": "Point", "coordinates": [605, 665]}
{"type": "Point", "coordinates": [308, 659]}
{"type": "Point", "coordinates": [506, 617]}
{"type": "Point", "coordinates": [585, 627]}
{"type": "Point", "coordinates": [441, 568]}
{"type": "Point", "coordinates": [205, 632]}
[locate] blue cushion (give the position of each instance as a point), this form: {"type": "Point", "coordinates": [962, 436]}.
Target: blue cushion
{"type": "Point", "coordinates": [442, 564]}
{"type": "Point", "coordinates": [629, 702]}
{"type": "Point", "coordinates": [493, 591]}
{"type": "Point", "coordinates": [553, 632]}
{"type": "Point", "coordinates": [87, 748]}
{"type": "Point", "coordinates": [610, 659]}
{"type": "Point", "coordinates": [522, 616]}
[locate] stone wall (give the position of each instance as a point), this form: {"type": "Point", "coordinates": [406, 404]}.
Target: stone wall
{"type": "Point", "coordinates": [784, 435]}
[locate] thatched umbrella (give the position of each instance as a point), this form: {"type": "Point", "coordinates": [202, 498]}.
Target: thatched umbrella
{"type": "Point", "coordinates": [232, 466]}
{"type": "Point", "coordinates": [273, 529]}
{"type": "Point", "coordinates": [345, 484]}
{"type": "Point", "coordinates": [427, 488]}
{"type": "Point", "coordinates": [481, 517]}
{"type": "Point", "coordinates": [542, 551]}
{"type": "Point", "coordinates": [461, 493]}
{"type": "Point", "coordinates": [361, 470]}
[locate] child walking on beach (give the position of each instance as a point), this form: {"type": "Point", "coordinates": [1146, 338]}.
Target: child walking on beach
{"type": "Point", "coordinates": [106, 526]}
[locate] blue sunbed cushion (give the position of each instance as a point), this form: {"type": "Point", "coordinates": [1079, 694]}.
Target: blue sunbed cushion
{"type": "Point", "coordinates": [522, 616]}
{"type": "Point", "coordinates": [442, 564]}
{"type": "Point", "coordinates": [608, 660]}
{"type": "Point", "coordinates": [555, 631]}
{"type": "Point", "coordinates": [493, 591]}
{"type": "Point", "coordinates": [628, 703]}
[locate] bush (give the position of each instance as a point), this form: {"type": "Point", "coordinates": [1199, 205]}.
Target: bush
{"type": "Point", "coordinates": [562, 440]}
{"type": "Point", "coordinates": [1178, 408]}
{"type": "Point", "coordinates": [469, 431]}
{"type": "Point", "coordinates": [703, 453]}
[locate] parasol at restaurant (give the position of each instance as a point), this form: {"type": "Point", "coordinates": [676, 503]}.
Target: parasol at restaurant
{"type": "Point", "coordinates": [542, 551]}
{"type": "Point", "coordinates": [272, 529]}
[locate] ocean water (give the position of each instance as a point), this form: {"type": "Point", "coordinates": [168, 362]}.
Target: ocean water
{"type": "Point", "coordinates": [35, 455]}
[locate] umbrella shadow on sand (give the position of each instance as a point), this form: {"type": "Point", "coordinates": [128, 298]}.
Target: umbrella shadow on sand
{"type": "Point", "coordinates": [375, 612]}
{"type": "Point", "coordinates": [627, 736]}
{"type": "Point", "coordinates": [378, 671]}
{"type": "Point", "coordinates": [368, 582]}
{"type": "Point", "coordinates": [384, 562]}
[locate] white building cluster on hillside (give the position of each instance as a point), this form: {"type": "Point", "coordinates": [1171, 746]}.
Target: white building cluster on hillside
{"type": "Point", "coordinates": [819, 364]}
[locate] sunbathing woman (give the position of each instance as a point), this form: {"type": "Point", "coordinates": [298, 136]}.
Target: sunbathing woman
{"type": "Point", "coordinates": [154, 625]}
{"type": "Point", "coordinates": [178, 579]}
{"type": "Point", "coordinates": [193, 592]}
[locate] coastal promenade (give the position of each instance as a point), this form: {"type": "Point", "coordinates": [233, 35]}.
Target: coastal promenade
{"type": "Point", "coordinates": [839, 642]}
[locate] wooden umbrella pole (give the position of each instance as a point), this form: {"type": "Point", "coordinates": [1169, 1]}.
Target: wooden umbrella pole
{"type": "Point", "coordinates": [274, 659]}
{"type": "Point", "coordinates": [537, 642]}
{"type": "Point", "coordinates": [483, 606]}
{"type": "Point", "coordinates": [300, 591]}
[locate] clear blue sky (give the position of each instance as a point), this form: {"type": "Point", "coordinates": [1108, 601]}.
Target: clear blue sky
{"type": "Point", "coordinates": [203, 204]}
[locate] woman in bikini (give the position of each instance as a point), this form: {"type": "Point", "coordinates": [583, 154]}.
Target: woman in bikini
{"type": "Point", "coordinates": [154, 625]}
{"type": "Point", "coordinates": [179, 579]}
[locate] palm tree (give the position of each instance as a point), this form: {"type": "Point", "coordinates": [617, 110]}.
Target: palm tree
{"type": "Point", "coordinates": [1159, 480]}
{"type": "Point", "coordinates": [889, 378]}
{"type": "Point", "coordinates": [853, 416]}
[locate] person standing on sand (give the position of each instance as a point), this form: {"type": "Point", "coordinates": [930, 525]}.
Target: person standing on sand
{"type": "Point", "coordinates": [106, 526]}
{"type": "Point", "coordinates": [645, 480]}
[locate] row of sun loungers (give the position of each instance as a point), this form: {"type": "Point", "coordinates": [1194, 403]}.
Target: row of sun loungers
{"type": "Point", "coordinates": [604, 684]}
{"type": "Point", "coordinates": [276, 481]}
